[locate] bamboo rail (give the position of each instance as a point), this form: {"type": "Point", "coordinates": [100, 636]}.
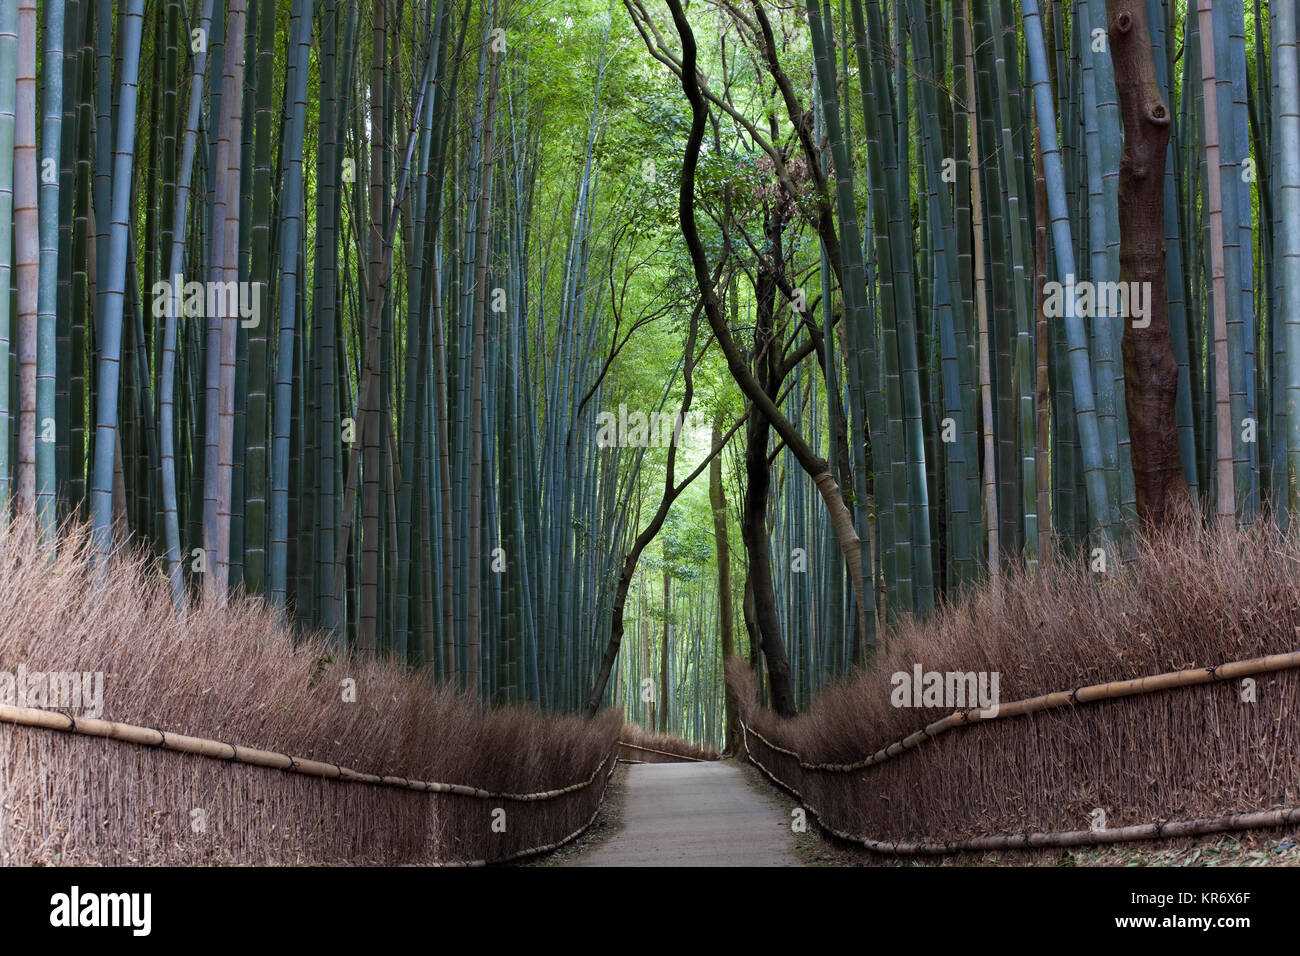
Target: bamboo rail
{"type": "Point", "coordinates": [218, 750]}
{"type": "Point", "coordinates": [547, 848]}
{"type": "Point", "coordinates": [1039, 839]}
{"type": "Point", "coordinates": [665, 753]}
{"type": "Point", "coordinates": [1080, 695]}
{"type": "Point", "coordinates": [1060, 838]}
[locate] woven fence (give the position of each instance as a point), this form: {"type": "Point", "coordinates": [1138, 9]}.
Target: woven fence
{"type": "Point", "coordinates": [1175, 754]}
{"type": "Point", "coordinates": [82, 790]}
{"type": "Point", "coordinates": [230, 738]}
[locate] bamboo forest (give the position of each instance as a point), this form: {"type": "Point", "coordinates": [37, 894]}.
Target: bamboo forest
{"type": "Point", "coordinates": [590, 383]}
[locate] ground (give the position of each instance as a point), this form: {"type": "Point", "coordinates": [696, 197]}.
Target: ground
{"type": "Point", "coordinates": [693, 814]}
{"type": "Point", "coordinates": [727, 813]}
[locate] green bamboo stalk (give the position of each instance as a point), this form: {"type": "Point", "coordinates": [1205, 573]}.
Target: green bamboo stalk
{"type": "Point", "coordinates": [1225, 483]}
{"type": "Point", "coordinates": [8, 79]}
{"type": "Point", "coordinates": [1102, 511]}
{"type": "Point", "coordinates": [26, 252]}
{"type": "Point", "coordinates": [1286, 61]}
{"type": "Point", "coordinates": [47, 323]}
{"type": "Point", "coordinates": [106, 423]}
{"type": "Point", "coordinates": [290, 237]}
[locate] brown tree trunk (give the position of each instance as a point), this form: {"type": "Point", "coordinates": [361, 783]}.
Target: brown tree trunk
{"type": "Point", "coordinates": [1150, 368]}
{"type": "Point", "coordinates": [758, 477]}
{"type": "Point", "coordinates": [751, 623]}
{"type": "Point", "coordinates": [753, 529]}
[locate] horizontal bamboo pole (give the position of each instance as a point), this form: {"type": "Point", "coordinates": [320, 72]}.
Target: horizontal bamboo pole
{"type": "Point", "coordinates": [534, 851]}
{"type": "Point", "coordinates": [219, 750]}
{"type": "Point", "coordinates": [1081, 695]}
{"type": "Point", "coordinates": [1280, 816]}
{"type": "Point", "coordinates": [624, 743]}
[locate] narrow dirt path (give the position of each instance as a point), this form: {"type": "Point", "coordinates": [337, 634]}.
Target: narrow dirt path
{"type": "Point", "coordinates": [695, 814]}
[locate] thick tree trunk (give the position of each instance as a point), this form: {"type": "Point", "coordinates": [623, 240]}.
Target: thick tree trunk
{"type": "Point", "coordinates": [753, 530]}
{"type": "Point", "coordinates": [751, 622]}
{"type": "Point", "coordinates": [1150, 367]}
{"type": "Point", "coordinates": [758, 478]}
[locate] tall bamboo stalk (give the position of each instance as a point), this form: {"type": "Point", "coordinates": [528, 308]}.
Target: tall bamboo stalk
{"type": "Point", "coordinates": [26, 251]}
{"type": "Point", "coordinates": [1225, 493]}
{"type": "Point", "coordinates": [8, 80]}
{"type": "Point", "coordinates": [106, 394]}
{"type": "Point", "coordinates": [981, 308]}
{"type": "Point", "coordinates": [1286, 56]}
{"type": "Point", "coordinates": [46, 478]}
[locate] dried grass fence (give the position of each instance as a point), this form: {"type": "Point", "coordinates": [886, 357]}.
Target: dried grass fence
{"type": "Point", "coordinates": [636, 745]}
{"type": "Point", "coordinates": [1190, 750]}
{"type": "Point", "coordinates": [146, 795]}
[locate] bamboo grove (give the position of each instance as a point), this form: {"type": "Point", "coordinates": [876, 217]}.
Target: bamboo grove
{"type": "Point", "coordinates": [331, 303]}
{"type": "Point", "coordinates": [978, 196]}
{"type": "Point", "coordinates": [242, 206]}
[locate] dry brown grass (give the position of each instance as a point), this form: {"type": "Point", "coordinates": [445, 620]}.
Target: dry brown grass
{"type": "Point", "coordinates": [235, 674]}
{"type": "Point", "coordinates": [1191, 602]}
{"type": "Point", "coordinates": [660, 748]}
